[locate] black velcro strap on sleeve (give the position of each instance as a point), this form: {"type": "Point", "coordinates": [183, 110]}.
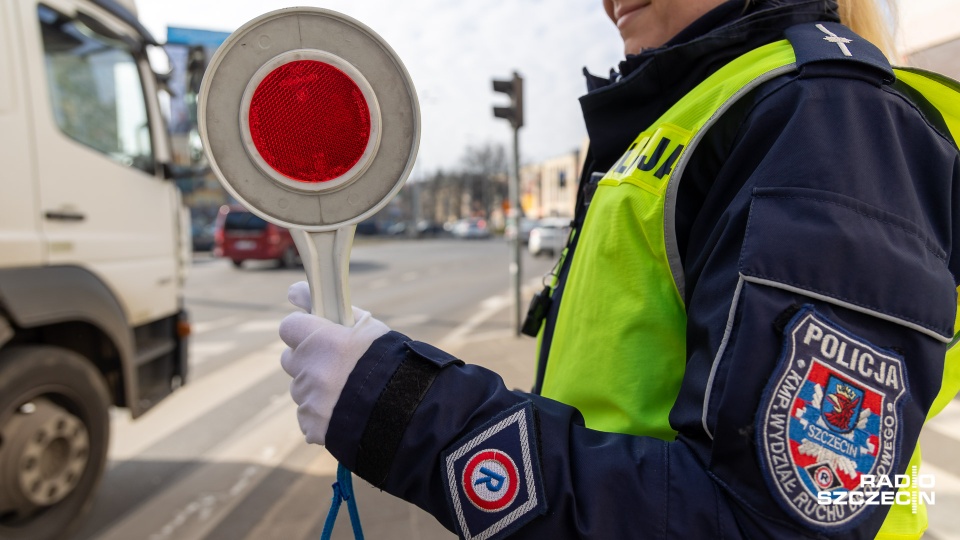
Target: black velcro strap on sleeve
{"type": "Point", "coordinates": [390, 417]}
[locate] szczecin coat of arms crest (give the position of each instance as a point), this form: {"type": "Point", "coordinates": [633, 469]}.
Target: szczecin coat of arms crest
{"type": "Point", "coordinates": [830, 415]}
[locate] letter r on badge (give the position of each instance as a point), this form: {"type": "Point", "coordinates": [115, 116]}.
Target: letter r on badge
{"type": "Point", "coordinates": [492, 480]}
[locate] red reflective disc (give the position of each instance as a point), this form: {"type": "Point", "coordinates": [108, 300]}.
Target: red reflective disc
{"type": "Point", "coordinates": [309, 121]}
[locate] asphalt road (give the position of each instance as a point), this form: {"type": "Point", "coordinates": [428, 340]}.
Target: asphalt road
{"type": "Point", "coordinates": [223, 457]}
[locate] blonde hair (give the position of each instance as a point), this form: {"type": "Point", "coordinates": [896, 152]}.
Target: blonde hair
{"type": "Point", "coordinates": [873, 19]}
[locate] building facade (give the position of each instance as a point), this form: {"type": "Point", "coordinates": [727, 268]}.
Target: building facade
{"type": "Point", "coordinates": [549, 188]}
{"type": "Point", "coordinates": [929, 35]}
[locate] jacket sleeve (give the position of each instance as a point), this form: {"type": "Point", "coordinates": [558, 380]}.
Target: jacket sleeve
{"type": "Point", "coordinates": [582, 480]}
{"type": "Point", "coordinates": [841, 216]}
{"type": "Point", "coordinates": [821, 297]}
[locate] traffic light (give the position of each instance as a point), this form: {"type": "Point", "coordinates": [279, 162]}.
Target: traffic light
{"type": "Point", "coordinates": [514, 89]}
{"type": "Point", "coordinates": [514, 113]}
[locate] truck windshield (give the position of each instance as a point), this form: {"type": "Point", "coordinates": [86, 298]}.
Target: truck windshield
{"type": "Point", "coordinates": [95, 90]}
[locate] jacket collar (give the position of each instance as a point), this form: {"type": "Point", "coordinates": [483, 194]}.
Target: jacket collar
{"type": "Point", "coordinates": [616, 109]}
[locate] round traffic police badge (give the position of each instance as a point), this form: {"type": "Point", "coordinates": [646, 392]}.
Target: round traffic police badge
{"type": "Point", "coordinates": [491, 480]}
{"type": "Point", "coordinates": [309, 119]}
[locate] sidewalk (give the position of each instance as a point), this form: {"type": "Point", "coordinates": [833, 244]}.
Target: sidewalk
{"type": "Point", "coordinates": [495, 346]}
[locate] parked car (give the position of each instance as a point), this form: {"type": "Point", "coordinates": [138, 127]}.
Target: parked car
{"type": "Point", "coordinates": [397, 229]}
{"type": "Point", "coordinates": [426, 227]}
{"type": "Point", "coordinates": [550, 236]}
{"type": "Point", "coordinates": [243, 236]}
{"type": "Point", "coordinates": [202, 235]}
{"type": "Point", "coordinates": [471, 228]}
{"type": "Point", "coordinates": [367, 227]}
{"type": "Point", "coordinates": [526, 225]}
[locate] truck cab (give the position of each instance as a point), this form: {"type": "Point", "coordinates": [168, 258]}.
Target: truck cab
{"type": "Point", "coordinates": [94, 248]}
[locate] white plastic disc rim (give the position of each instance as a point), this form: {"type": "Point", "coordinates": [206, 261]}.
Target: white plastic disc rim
{"type": "Point", "coordinates": [373, 143]}
{"type": "Point", "coordinates": [202, 105]}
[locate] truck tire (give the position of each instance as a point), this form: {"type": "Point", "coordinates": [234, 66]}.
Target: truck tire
{"type": "Point", "coordinates": [54, 434]}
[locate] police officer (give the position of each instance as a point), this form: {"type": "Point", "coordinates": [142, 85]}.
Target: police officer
{"type": "Point", "coordinates": [751, 317]}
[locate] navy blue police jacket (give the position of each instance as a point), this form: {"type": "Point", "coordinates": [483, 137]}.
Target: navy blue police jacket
{"type": "Point", "coordinates": [815, 221]}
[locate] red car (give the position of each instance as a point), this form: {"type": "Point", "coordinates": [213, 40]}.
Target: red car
{"type": "Point", "coordinates": [241, 235]}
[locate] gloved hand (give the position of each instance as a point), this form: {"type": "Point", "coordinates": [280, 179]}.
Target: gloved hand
{"type": "Point", "coordinates": [320, 357]}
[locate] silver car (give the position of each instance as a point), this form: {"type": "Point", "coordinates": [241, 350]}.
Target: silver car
{"type": "Point", "coordinates": [471, 228]}
{"type": "Point", "coordinates": [550, 236]}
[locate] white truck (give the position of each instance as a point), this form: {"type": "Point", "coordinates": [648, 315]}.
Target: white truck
{"type": "Point", "coordinates": [94, 247]}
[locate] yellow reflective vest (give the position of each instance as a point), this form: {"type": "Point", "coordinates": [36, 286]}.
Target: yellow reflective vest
{"type": "Point", "coordinates": [655, 328]}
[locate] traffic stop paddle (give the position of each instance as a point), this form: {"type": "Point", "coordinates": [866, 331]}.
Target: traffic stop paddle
{"type": "Point", "coordinates": [310, 120]}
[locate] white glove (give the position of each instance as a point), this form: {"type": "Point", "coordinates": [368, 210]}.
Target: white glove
{"type": "Point", "coordinates": [320, 358]}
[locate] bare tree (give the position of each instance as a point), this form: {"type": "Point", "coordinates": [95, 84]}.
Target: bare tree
{"type": "Point", "coordinates": [475, 188]}
{"type": "Point", "coordinates": [485, 173]}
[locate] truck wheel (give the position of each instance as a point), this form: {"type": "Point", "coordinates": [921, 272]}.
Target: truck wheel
{"type": "Point", "coordinates": [54, 433]}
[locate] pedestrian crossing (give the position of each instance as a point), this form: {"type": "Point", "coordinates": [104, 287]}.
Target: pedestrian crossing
{"type": "Point", "coordinates": [256, 479]}
{"type": "Point", "coordinates": [227, 483]}
{"type": "Point", "coordinates": [228, 473]}
{"type": "Point", "coordinates": [191, 402]}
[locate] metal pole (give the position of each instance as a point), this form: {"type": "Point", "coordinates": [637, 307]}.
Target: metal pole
{"type": "Point", "coordinates": [416, 210]}
{"type": "Point", "coordinates": [515, 268]}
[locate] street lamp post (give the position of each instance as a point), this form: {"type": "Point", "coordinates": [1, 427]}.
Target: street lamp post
{"type": "Point", "coordinates": [514, 114]}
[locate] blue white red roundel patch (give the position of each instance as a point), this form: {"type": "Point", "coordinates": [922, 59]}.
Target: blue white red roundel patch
{"type": "Point", "coordinates": [830, 415]}
{"type": "Point", "coordinates": [490, 480]}
{"type": "Point", "coordinates": [493, 477]}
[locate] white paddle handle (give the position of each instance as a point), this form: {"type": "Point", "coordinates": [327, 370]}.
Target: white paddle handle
{"type": "Point", "coordinates": [326, 260]}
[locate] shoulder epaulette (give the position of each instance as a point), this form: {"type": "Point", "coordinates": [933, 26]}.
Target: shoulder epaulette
{"type": "Point", "coordinates": [830, 41]}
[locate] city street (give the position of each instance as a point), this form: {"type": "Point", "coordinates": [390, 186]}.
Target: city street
{"type": "Point", "coordinates": [223, 458]}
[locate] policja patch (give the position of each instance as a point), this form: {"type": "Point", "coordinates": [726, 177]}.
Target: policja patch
{"type": "Point", "coordinates": [493, 477]}
{"type": "Point", "coordinates": [830, 415]}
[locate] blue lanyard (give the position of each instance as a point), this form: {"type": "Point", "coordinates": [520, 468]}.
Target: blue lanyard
{"type": "Point", "coordinates": [343, 491]}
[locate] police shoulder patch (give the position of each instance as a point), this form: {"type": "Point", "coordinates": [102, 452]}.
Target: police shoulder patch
{"type": "Point", "coordinates": [493, 476]}
{"type": "Point", "coordinates": [830, 414]}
